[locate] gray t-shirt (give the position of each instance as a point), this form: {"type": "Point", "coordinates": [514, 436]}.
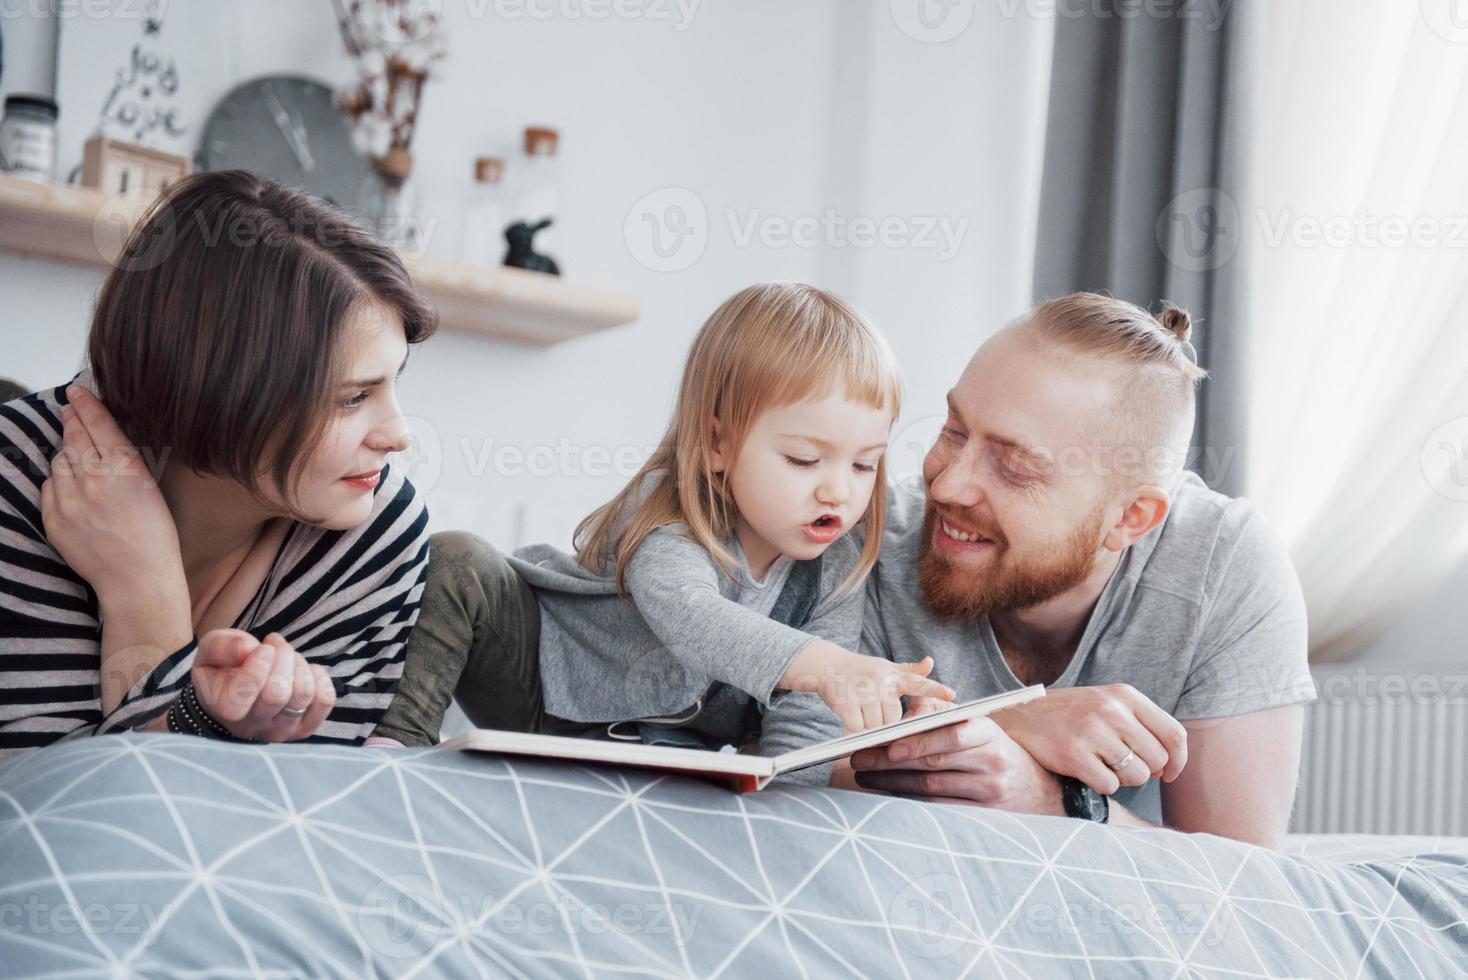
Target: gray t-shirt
{"type": "Point", "coordinates": [760, 595]}
{"type": "Point", "coordinates": [1204, 616]}
{"type": "Point", "coordinates": [654, 652]}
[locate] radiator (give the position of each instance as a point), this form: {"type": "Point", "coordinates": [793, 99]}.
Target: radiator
{"type": "Point", "coordinates": [1385, 754]}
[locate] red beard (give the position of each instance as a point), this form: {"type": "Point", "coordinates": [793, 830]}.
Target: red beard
{"type": "Point", "coordinates": [953, 592]}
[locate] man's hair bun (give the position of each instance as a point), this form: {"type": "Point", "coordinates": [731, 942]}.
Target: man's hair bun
{"type": "Point", "coordinates": [1175, 320]}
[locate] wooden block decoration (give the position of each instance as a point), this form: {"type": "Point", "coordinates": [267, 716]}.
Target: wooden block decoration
{"type": "Point", "coordinates": [115, 167]}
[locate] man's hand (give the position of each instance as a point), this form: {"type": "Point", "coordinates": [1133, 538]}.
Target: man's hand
{"type": "Point", "coordinates": [1083, 731]}
{"type": "Point", "coordinates": [972, 761]}
{"type": "Point", "coordinates": [245, 685]}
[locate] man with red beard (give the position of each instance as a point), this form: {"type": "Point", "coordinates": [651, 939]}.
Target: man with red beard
{"type": "Point", "coordinates": [1055, 539]}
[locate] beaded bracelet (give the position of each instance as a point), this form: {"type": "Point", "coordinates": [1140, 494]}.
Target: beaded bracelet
{"type": "Point", "coordinates": [187, 717]}
{"type": "Point", "coordinates": [178, 722]}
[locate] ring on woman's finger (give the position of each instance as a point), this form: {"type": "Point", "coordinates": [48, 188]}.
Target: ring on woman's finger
{"type": "Point", "coordinates": [1126, 761]}
{"type": "Point", "coordinates": [293, 712]}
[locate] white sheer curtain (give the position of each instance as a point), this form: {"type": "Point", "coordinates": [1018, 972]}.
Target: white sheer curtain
{"type": "Point", "coordinates": [1356, 235]}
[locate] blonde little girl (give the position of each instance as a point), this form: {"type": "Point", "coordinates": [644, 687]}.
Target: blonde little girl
{"type": "Point", "coordinates": [722, 578]}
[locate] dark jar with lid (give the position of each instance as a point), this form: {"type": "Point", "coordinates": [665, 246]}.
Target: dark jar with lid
{"type": "Point", "coordinates": [28, 137]}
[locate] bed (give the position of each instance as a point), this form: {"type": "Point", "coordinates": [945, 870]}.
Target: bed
{"type": "Point", "coordinates": [152, 854]}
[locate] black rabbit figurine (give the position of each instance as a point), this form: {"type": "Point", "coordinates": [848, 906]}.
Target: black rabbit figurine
{"type": "Point", "coordinates": [522, 254]}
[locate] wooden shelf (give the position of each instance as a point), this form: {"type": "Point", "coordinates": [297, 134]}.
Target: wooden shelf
{"type": "Point", "coordinates": [514, 304]}
{"type": "Point", "coordinates": [81, 226]}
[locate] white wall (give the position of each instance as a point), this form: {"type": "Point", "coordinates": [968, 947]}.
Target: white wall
{"type": "Point", "coordinates": [952, 131]}
{"type": "Point", "coordinates": [1429, 638]}
{"type": "Point", "coordinates": [768, 109]}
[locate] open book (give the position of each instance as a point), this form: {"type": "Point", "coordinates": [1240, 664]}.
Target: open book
{"type": "Point", "coordinates": [745, 772]}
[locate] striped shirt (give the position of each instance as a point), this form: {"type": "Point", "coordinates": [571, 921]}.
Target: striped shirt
{"type": "Point", "coordinates": [344, 599]}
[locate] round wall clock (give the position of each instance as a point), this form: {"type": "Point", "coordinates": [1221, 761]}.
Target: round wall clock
{"type": "Point", "coordinates": [287, 127]}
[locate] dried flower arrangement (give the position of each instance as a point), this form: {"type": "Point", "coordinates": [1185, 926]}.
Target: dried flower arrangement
{"type": "Point", "coordinates": [394, 43]}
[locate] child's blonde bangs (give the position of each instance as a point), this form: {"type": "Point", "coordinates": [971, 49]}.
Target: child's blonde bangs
{"type": "Point", "coordinates": [807, 345]}
{"type": "Point", "coordinates": [768, 345]}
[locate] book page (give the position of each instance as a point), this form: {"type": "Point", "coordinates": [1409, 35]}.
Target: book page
{"type": "Point", "coordinates": [616, 753]}
{"type": "Point", "coordinates": [840, 748]}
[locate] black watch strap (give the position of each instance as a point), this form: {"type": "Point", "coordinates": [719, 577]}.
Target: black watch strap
{"type": "Point", "coordinates": [1082, 801]}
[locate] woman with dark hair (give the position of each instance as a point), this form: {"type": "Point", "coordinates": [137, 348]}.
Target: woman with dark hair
{"type": "Point", "coordinates": [201, 533]}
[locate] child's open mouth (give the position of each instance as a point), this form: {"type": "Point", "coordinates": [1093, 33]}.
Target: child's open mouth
{"type": "Point", "coordinates": [824, 529]}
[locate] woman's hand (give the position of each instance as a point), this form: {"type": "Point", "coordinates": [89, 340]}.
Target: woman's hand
{"type": "Point", "coordinates": [865, 692]}
{"type": "Point", "coordinates": [246, 685]}
{"type": "Point", "coordinates": [107, 519]}
{"type": "Point", "coordinates": [104, 513]}
{"type": "Point", "coordinates": [1083, 731]}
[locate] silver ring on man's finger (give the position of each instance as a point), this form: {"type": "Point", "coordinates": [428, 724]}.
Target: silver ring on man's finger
{"type": "Point", "coordinates": [1130, 755]}
{"type": "Point", "coordinates": [300, 713]}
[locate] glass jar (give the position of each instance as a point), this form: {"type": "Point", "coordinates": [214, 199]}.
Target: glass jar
{"type": "Point", "coordinates": [484, 225]}
{"type": "Point", "coordinates": [28, 137]}
{"type": "Point", "coordinates": [537, 189]}
{"type": "Point", "coordinates": [389, 202]}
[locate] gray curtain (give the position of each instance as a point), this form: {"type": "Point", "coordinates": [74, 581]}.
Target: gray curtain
{"type": "Point", "coordinates": [1139, 163]}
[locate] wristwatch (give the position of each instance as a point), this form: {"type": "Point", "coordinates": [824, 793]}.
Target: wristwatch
{"type": "Point", "coordinates": [1082, 801]}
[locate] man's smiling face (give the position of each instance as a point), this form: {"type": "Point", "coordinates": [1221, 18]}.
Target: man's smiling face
{"type": "Point", "coordinates": [1015, 513]}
